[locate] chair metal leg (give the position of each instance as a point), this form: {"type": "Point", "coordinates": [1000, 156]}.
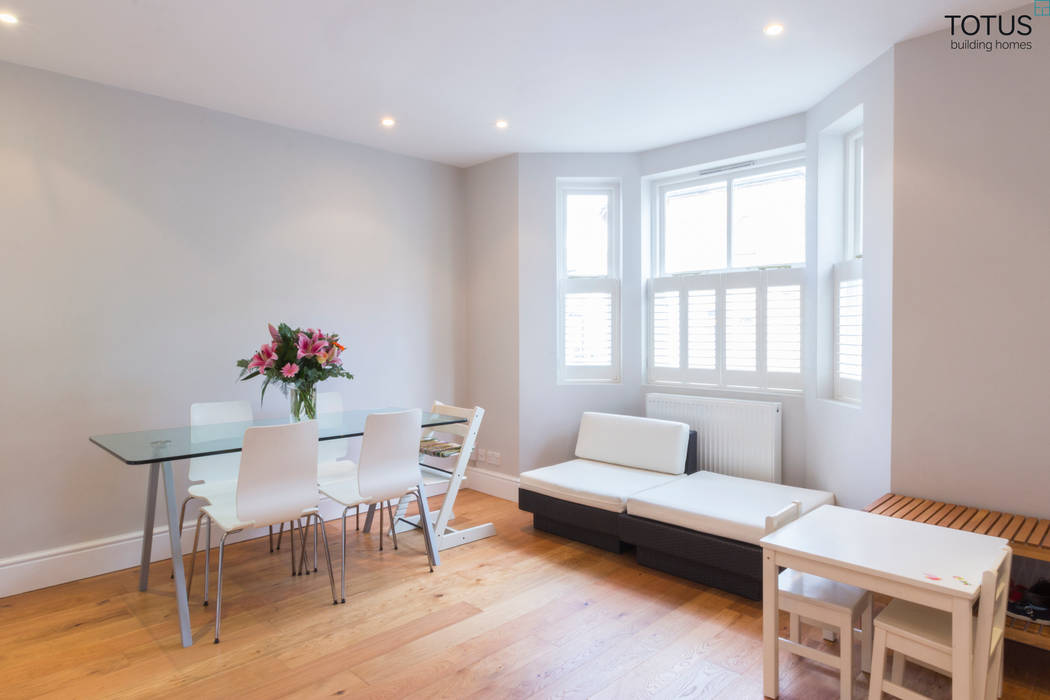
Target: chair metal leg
{"type": "Point", "coordinates": [182, 519]}
{"type": "Point", "coordinates": [218, 590]}
{"type": "Point", "coordinates": [193, 558]}
{"type": "Point", "coordinates": [291, 538]}
{"type": "Point", "coordinates": [315, 544]}
{"type": "Point", "coordinates": [271, 539]}
{"type": "Point", "coordinates": [380, 526]}
{"type": "Point", "coordinates": [426, 530]}
{"type": "Point", "coordinates": [280, 533]}
{"type": "Point", "coordinates": [343, 544]}
{"type": "Point", "coordinates": [318, 523]}
{"type": "Point", "coordinates": [357, 517]}
{"type": "Point", "coordinates": [207, 557]}
{"type": "Point", "coordinates": [393, 523]}
{"type": "Point", "coordinates": [302, 545]}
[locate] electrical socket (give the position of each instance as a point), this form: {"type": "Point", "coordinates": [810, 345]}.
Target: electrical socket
{"type": "Point", "coordinates": [493, 457]}
{"type": "Point", "coordinates": [479, 455]}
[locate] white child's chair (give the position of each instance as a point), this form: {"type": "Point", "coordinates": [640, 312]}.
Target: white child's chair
{"type": "Point", "coordinates": [388, 470]}
{"type": "Point", "coordinates": [276, 483]}
{"type": "Point", "coordinates": [922, 634]}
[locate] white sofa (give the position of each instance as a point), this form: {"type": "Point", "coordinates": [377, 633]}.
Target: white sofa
{"type": "Point", "coordinates": [634, 482]}
{"type": "Point", "coordinates": [616, 457]}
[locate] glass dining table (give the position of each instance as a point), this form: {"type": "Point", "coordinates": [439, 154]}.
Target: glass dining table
{"type": "Point", "coordinates": [159, 448]}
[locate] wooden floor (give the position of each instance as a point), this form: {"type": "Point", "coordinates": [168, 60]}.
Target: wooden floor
{"type": "Point", "coordinates": [522, 614]}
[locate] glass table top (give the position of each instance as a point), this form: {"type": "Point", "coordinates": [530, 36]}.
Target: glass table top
{"type": "Point", "coordinates": [168, 444]}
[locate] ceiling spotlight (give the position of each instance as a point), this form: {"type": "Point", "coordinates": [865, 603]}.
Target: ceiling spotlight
{"type": "Point", "coordinates": [773, 29]}
{"type": "Point", "coordinates": [387, 122]}
{"type": "Point", "coordinates": [501, 124]}
{"type": "Point", "coordinates": [8, 18]}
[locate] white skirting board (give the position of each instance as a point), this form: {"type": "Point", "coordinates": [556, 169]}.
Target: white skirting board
{"type": "Point", "coordinates": [40, 569]}
{"type": "Point", "coordinates": [493, 483]}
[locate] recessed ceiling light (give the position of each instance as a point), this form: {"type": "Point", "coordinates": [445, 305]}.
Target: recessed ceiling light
{"type": "Point", "coordinates": [773, 29]}
{"type": "Point", "coordinates": [388, 122]}
{"type": "Point", "coordinates": [501, 124]}
{"type": "Point", "coordinates": [8, 18]}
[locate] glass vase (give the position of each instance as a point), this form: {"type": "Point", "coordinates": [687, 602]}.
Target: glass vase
{"type": "Point", "coordinates": [303, 404]}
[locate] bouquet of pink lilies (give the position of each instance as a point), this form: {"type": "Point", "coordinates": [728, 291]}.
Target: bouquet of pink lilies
{"type": "Point", "coordinates": [296, 359]}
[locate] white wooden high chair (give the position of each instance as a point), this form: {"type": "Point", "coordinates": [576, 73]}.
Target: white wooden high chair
{"type": "Point", "coordinates": [449, 460]}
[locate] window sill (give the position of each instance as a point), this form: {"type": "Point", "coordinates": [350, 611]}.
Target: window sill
{"type": "Point", "coordinates": [844, 403]}
{"type": "Point", "coordinates": [706, 389]}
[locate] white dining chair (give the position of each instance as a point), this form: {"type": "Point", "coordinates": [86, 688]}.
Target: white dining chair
{"type": "Point", "coordinates": [276, 482]}
{"type": "Point", "coordinates": [216, 474]}
{"type": "Point", "coordinates": [331, 454]}
{"type": "Point", "coordinates": [388, 469]}
{"type": "Point", "coordinates": [922, 634]}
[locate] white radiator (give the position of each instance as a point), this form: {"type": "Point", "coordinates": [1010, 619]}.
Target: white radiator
{"type": "Point", "coordinates": [733, 436]}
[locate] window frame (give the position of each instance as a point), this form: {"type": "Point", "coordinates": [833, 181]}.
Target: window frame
{"type": "Point", "coordinates": [853, 211]}
{"type": "Point", "coordinates": [760, 277]}
{"type": "Point", "coordinates": [609, 283]}
{"type": "Point", "coordinates": [728, 175]}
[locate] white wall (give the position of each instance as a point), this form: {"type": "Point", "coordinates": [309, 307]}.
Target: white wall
{"type": "Point", "coordinates": [971, 422]}
{"type": "Point", "coordinates": [147, 244]}
{"type": "Point", "coordinates": [491, 293]}
{"type": "Point", "coordinates": [550, 413]}
{"type": "Point", "coordinates": [848, 446]}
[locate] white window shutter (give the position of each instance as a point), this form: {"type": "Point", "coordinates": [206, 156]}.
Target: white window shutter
{"type": "Point", "coordinates": [849, 330]}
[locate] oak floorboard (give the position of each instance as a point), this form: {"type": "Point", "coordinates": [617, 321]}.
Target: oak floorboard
{"type": "Point", "coordinates": [521, 614]}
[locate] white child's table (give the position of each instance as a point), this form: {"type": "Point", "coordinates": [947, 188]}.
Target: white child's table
{"type": "Point", "coordinates": [934, 566]}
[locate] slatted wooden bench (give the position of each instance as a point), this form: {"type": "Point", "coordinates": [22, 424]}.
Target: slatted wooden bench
{"type": "Point", "coordinates": [1029, 537]}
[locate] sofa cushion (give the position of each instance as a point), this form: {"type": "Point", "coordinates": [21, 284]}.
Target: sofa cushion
{"type": "Point", "coordinates": [727, 506]}
{"type": "Point", "coordinates": [591, 483]}
{"type": "Point", "coordinates": [631, 441]}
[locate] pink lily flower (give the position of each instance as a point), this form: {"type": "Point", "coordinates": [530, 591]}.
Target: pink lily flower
{"type": "Point", "coordinates": [257, 362]}
{"type": "Point", "coordinates": [333, 356]}
{"type": "Point", "coordinates": [309, 347]}
{"type": "Point", "coordinates": [274, 335]}
{"type": "Point", "coordinates": [290, 369]}
{"type": "Point", "coordinates": [268, 353]}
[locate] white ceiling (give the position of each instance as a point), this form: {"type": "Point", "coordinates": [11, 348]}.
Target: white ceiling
{"type": "Point", "coordinates": [569, 75]}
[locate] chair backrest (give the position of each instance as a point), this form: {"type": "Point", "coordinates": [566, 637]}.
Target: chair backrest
{"type": "Point", "coordinates": [991, 627]}
{"type": "Point", "coordinates": [212, 421]}
{"type": "Point", "coordinates": [631, 441]}
{"type": "Point", "coordinates": [466, 434]}
{"type": "Point", "coordinates": [278, 475]}
{"type": "Point", "coordinates": [389, 463]}
{"type": "Point", "coordinates": [329, 410]}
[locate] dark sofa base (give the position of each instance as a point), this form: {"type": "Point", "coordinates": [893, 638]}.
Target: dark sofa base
{"type": "Point", "coordinates": [593, 526]}
{"type": "Point", "coordinates": [708, 559]}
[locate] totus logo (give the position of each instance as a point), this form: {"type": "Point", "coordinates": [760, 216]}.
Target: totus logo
{"type": "Point", "coordinates": [993, 32]}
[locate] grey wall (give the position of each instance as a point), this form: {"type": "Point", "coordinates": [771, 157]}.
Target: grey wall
{"type": "Point", "coordinates": [491, 293]}
{"type": "Point", "coordinates": [847, 445]}
{"type": "Point", "coordinates": [550, 413]}
{"type": "Point", "coordinates": [147, 244]}
{"type": "Point", "coordinates": [971, 421]}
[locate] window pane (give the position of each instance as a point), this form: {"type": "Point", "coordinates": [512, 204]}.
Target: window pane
{"type": "Point", "coordinates": [666, 337]}
{"type": "Point", "coordinates": [588, 329]}
{"type": "Point", "coordinates": [695, 229]}
{"type": "Point", "coordinates": [587, 235]}
{"type": "Point", "coordinates": [702, 329]}
{"type": "Point", "coordinates": [741, 326]}
{"type": "Point", "coordinates": [850, 330]}
{"type": "Point", "coordinates": [769, 219]}
{"type": "Point", "coordinates": [858, 197]}
{"type": "Point", "coordinates": [784, 329]}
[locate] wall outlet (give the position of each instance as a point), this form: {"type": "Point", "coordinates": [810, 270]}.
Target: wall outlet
{"type": "Point", "coordinates": [493, 457]}
{"type": "Point", "coordinates": [479, 455]}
